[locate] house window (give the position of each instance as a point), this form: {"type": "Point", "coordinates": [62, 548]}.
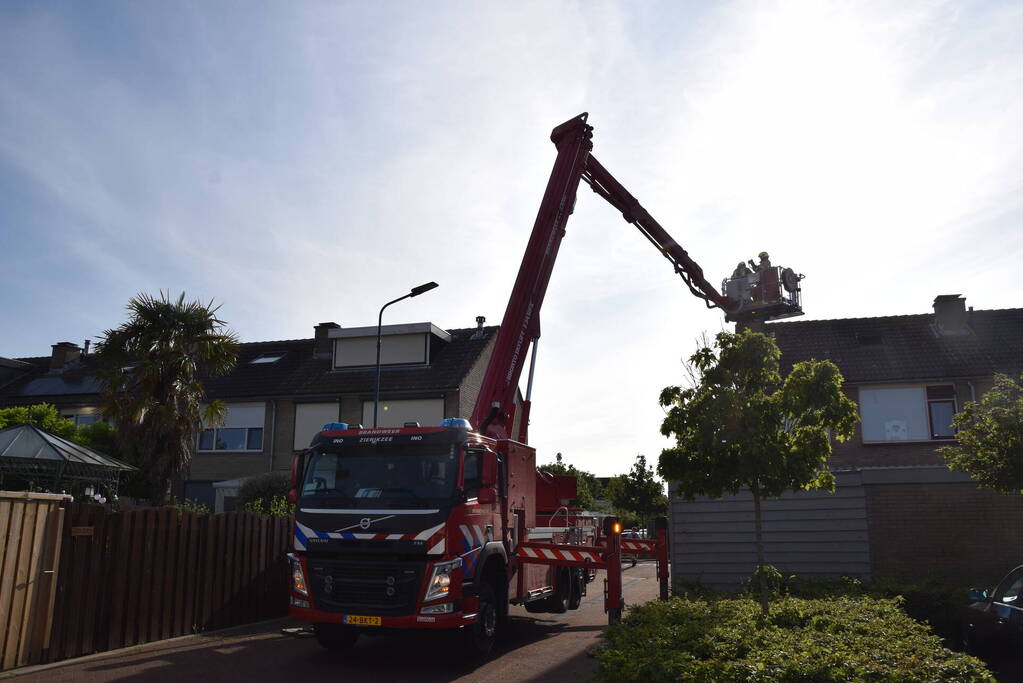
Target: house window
{"type": "Point", "coordinates": [242, 430]}
{"type": "Point", "coordinates": [941, 406]}
{"type": "Point", "coordinates": [85, 415]}
{"type": "Point", "coordinates": [231, 439]}
{"type": "Point", "coordinates": [428, 411]}
{"type": "Point", "coordinates": [907, 413]}
{"type": "Point", "coordinates": [266, 358]}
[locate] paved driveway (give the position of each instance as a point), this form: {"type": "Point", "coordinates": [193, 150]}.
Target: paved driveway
{"type": "Point", "coordinates": [536, 648]}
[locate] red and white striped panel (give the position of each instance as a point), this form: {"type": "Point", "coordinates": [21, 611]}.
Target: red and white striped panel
{"type": "Point", "coordinates": [632, 544]}
{"type": "Point", "coordinates": [566, 554]}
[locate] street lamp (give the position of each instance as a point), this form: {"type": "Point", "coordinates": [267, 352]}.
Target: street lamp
{"type": "Point", "coordinates": [416, 291]}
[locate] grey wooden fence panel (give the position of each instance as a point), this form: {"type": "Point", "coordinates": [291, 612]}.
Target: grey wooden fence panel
{"type": "Point", "coordinates": [807, 533]}
{"type": "Point", "coordinates": [780, 547]}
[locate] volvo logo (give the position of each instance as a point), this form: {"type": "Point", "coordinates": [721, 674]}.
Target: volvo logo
{"type": "Point", "coordinates": [363, 523]}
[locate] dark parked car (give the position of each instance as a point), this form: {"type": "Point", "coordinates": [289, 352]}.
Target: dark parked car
{"type": "Point", "coordinates": [993, 622]}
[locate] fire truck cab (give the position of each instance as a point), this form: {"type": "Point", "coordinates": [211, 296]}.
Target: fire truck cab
{"type": "Point", "coordinates": [418, 527]}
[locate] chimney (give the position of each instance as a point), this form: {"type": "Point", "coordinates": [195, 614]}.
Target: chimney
{"type": "Point", "coordinates": [950, 315]}
{"type": "Point", "coordinates": [478, 334]}
{"type": "Point", "coordinates": [62, 354]}
{"type": "Point", "coordinates": [85, 347]}
{"type": "Point", "coordinates": [323, 345]}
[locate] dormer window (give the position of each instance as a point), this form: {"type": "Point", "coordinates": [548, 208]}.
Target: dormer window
{"type": "Point", "coordinates": [266, 358]}
{"type": "Point", "coordinates": [407, 344]}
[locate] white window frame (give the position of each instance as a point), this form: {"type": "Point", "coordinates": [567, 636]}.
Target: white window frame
{"type": "Point", "coordinates": [229, 423]}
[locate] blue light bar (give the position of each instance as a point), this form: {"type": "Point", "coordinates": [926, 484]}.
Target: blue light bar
{"type": "Point", "coordinates": [456, 422]}
{"type": "Point", "coordinates": [335, 427]}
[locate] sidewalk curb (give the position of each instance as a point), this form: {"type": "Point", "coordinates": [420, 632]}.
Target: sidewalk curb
{"type": "Point", "coordinates": [38, 668]}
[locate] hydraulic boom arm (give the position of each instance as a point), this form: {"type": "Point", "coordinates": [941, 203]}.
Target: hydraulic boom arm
{"type": "Point", "coordinates": [494, 413]}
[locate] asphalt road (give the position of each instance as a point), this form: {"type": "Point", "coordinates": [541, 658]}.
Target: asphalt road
{"type": "Point", "coordinates": [536, 647]}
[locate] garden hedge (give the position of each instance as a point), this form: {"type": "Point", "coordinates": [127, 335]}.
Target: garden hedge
{"type": "Point", "coordinates": [846, 638]}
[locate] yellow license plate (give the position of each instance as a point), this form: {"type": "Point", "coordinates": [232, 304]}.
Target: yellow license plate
{"type": "Point", "coordinates": [356, 620]}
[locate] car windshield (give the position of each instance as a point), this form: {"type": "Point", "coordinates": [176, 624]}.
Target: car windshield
{"type": "Point", "coordinates": [381, 474]}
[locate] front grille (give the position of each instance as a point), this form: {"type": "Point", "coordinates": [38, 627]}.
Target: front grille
{"type": "Point", "coordinates": [371, 587]}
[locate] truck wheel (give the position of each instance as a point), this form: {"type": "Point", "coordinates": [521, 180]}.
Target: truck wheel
{"type": "Point", "coordinates": [558, 603]}
{"type": "Point", "coordinates": [336, 637]}
{"type": "Point", "coordinates": [577, 589]}
{"type": "Point", "coordinates": [483, 633]}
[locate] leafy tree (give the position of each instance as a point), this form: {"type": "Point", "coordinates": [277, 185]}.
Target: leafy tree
{"type": "Point", "coordinates": [42, 415]}
{"type": "Point", "coordinates": [100, 437]}
{"type": "Point", "coordinates": [638, 495]}
{"type": "Point", "coordinates": [740, 426]}
{"type": "Point", "coordinates": [989, 438]}
{"type": "Point", "coordinates": [587, 487]}
{"type": "Point", "coordinates": [150, 385]}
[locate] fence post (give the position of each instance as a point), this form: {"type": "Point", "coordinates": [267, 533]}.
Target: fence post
{"type": "Point", "coordinates": [661, 524]}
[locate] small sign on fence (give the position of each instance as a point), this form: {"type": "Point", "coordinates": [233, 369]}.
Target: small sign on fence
{"type": "Point", "coordinates": [82, 530]}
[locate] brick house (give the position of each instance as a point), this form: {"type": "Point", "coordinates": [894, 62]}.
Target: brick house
{"type": "Point", "coordinates": [897, 510]}
{"type": "Point", "coordinates": [281, 392]}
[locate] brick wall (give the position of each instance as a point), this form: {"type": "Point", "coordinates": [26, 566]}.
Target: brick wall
{"type": "Point", "coordinates": [351, 410]}
{"type": "Point", "coordinates": [284, 436]}
{"type": "Point", "coordinates": [469, 390]}
{"type": "Point", "coordinates": [222, 466]}
{"type": "Point", "coordinates": [855, 453]}
{"type": "Point", "coordinates": [951, 531]}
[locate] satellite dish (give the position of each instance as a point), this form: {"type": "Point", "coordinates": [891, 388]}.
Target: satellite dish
{"type": "Point", "coordinates": [789, 280]}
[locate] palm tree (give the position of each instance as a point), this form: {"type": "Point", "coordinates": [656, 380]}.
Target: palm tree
{"type": "Point", "coordinates": [150, 387]}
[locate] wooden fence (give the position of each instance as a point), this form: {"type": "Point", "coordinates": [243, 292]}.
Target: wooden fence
{"type": "Point", "coordinates": [131, 577]}
{"type": "Point", "coordinates": [30, 527]}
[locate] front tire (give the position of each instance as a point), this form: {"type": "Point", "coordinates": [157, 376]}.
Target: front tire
{"type": "Point", "coordinates": [481, 635]}
{"type": "Point", "coordinates": [336, 637]}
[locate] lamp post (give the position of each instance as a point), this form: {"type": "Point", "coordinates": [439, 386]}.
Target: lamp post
{"type": "Point", "coordinates": [416, 291]}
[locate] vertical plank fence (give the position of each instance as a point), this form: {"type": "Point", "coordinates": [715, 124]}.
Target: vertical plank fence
{"type": "Point", "coordinates": [132, 577]}
{"type": "Point", "coordinates": [30, 534]}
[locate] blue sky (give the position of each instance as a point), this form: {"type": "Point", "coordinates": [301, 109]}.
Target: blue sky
{"type": "Point", "coordinates": [302, 162]}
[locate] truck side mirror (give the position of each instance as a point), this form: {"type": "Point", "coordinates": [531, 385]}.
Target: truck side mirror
{"type": "Point", "coordinates": [297, 465]}
{"type": "Point", "coordinates": [488, 477]}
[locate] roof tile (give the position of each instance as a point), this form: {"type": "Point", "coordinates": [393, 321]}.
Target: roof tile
{"type": "Point", "coordinates": [906, 347]}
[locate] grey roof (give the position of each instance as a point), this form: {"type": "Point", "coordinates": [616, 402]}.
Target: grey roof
{"type": "Point", "coordinates": [906, 347]}
{"type": "Point", "coordinates": [28, 442]}
{"type": "Point", "coordinates": [297, 374]}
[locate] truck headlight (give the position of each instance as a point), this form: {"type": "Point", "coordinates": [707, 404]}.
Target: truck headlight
{"type": "Point", "coordinates": [297, 575]}
{"type": "Point", "coordinates": [440, 580]}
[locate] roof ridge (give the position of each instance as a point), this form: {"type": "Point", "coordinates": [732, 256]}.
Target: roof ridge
{"type": "Point", "coordinates": [887, 317]}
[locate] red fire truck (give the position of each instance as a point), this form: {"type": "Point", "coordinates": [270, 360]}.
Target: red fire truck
{"type": "Point", "coordinates": [444, 527]}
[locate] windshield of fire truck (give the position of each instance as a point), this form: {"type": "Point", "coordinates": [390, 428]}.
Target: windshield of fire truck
{"type": "Point", "coordinates": [382, 474]}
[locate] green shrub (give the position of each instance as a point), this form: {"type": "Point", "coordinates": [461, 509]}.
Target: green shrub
{"type": "Point", "coordinates": [264, 489]}
{"type": "Point", "coordinates": [928, 601]}
{"type": "Point", "coordinates": [837, 639]}
{"type": "Point", "coordinates": [277, 507]}
{"type": "Point", "coordinates": [189, 505]}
